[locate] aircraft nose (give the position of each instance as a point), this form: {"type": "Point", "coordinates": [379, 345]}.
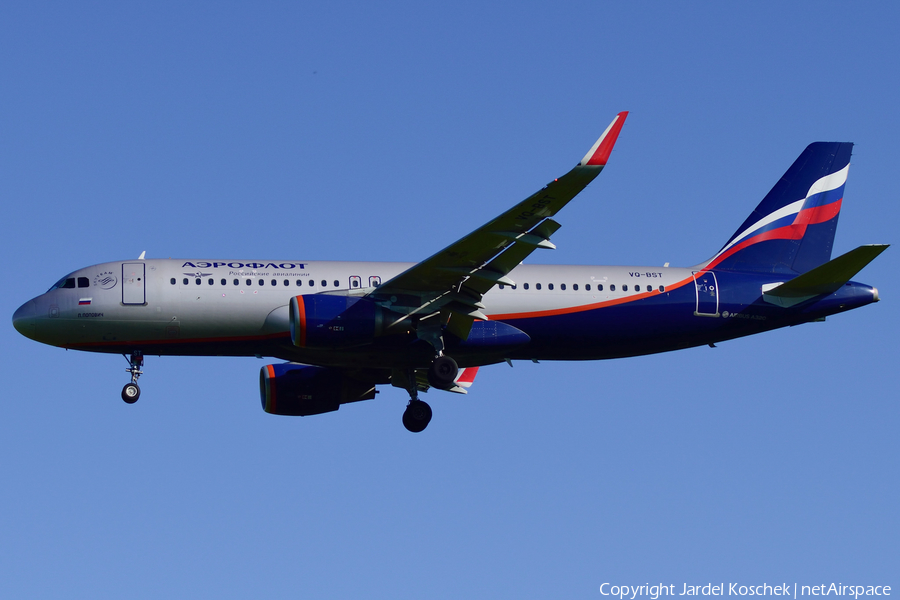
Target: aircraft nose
{"type": "Point", "coordinates": [24, 319]}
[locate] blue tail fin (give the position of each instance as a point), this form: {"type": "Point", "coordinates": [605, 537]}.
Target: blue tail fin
{"type": "Point", "coordinates": [792, 229]}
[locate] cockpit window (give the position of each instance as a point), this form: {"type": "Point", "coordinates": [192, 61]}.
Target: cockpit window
{"type": "Point", "coordinates": [65, 282]}
{"type": "Point", "coordinates": [84, 282]}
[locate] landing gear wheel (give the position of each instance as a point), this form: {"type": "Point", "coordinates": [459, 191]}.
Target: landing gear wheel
{"type": "Point", "coordinates": [442, 372]}
{"type": "Point", "coordinates": [417, 416]}
{"type": "Point", "coordinates": [131, 392]}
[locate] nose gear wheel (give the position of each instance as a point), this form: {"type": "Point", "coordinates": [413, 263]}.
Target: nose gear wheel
{"type": "Point", "coordinates": [131, 392]}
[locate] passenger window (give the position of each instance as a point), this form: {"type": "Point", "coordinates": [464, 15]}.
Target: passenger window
{"type": "Point", "coordinates": [83, 282]}
{"type": "Point", "coordinates": [299, 282]}
{"type": "Point", "coordinates": [286, 282]}
{"type": "Point", "coordinates": [549, 286]}
{"type": "Point", "coordinates": [224, 281]}
{"type": "Point", "coordinates": [575, 287]}
{"type": "Point", "coordinates": [172, 281]}
{"type": "Point", "coordinates": [324, 283]}
{"type": "Point", "coordinates": [662, 288]}
{"type": "Point", "coordinates": [649, 288]}
{"type": "Point", "coordinates": [537, 286]}
{"type": "Point", "coordinates": [612, 288]}
{"type": "Point", "coordinates": [185, 281]}
{"type": "Point", "coordinates": [337, 283]}
{"type": "Point", "coordinates": [197, 281]}
{"type": "Point", "coordinates": [625, 288]}
{"type": "Point", "coordinates": [262, 281]}
{"type": "Point", "coordinates": [500, 286]}
{"type": "Point", "coordinates": [311, 283]}
{"type": "Point", "coordinates": [236, 282]}
{"type": "Point", "coordinates": [248, 283]}
{"type": "Point", "coordinates": [562, 286]}
{"type": "Point", "coordinates": [600, 287]}
{"type": "Point", "coordinates": [210, 281]}
{"type": "Point", "coordinates": [274, 282]}
{"type": "Point", "coordinates": [587, 287]}
{"type": "Point", "coordinates": [525, 285]}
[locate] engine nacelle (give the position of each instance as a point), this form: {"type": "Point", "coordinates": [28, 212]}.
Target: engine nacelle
{"type": "Point", "coordinates": [302, 390]}
{"type": "Point", "coordinates": [325, 321]}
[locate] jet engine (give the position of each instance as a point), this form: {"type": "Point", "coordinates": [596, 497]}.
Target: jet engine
{"type": "Point", "coordinates": [301, 390]}
{"type": "Point", "coordinates": [324, 321]}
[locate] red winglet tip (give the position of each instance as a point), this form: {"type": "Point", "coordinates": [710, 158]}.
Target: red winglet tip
{"type": "Point", "coordinates": [607, 141]}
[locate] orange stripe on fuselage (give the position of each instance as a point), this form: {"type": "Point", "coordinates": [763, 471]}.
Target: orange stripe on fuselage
{"type": "Point", "coordinates": [586, 307]}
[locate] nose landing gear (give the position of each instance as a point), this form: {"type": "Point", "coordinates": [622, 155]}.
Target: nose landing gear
{"type": "Point", "coordinates": [131, 392]}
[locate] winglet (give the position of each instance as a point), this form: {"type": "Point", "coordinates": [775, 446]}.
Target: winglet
{"type": "Point", "coordinates": [600, 151]}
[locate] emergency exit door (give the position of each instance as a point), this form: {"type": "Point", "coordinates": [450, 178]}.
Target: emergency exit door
{"type": "Point", "coordinates": [133, 284]}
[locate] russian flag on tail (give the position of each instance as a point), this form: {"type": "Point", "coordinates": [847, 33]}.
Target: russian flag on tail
{"type": "Point", "coordinates": [792, 230]}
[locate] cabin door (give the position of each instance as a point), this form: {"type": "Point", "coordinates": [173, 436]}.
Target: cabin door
{"type": "Point", "coordinates": [133, 284]}
{"type": "Point", "coordinates": [707, 294]}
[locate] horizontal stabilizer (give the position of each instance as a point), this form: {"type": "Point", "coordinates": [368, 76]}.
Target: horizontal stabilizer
{"type": "Point", "coordinates": [824, 279]}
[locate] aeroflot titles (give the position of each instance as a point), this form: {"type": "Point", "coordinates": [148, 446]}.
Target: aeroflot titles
{"type": "Point", "coordinates": [239, 265]}
{"type": "Point", "coordinates": [735, 589]}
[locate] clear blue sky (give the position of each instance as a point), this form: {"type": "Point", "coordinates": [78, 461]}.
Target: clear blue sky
{"type": "Point", "coordinates": [385, 131]}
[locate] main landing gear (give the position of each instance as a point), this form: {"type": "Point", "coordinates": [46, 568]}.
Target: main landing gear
{"type": "Point", "coordinates": [442, 372]}
{"type": "Point", "coordinates": [442, 375]}
{"type": "Point", "coordinates": [417, 415]}
{"type": "Point", "coordinates": [131, 392]}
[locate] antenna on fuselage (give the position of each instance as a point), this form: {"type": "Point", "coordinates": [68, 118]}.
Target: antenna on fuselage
{"type": "Point", "coordinates": [141, 257]}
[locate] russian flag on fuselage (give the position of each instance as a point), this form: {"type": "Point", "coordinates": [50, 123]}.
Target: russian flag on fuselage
{"type": "Point", "coordinates": [792, 229]}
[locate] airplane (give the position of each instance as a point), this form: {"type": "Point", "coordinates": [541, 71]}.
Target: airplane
{"type": "Point", "coordinates": [344, 328]}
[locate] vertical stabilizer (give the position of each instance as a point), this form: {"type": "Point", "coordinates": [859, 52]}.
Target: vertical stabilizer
{"type": "Point", "coordinates": [792, 230]}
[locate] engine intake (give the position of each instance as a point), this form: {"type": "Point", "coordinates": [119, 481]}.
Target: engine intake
{"type": "Point", "coordinates": [301, 390]}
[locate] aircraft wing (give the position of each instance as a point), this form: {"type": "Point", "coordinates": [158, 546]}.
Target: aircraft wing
{"type": "Point", "coordinates": [453, 281]}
